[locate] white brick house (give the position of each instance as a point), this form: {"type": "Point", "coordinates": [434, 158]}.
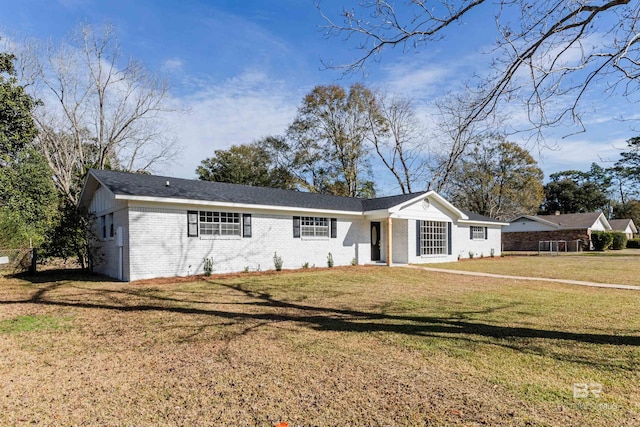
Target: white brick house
{"type": "Point", "coordinates": [152, 226]}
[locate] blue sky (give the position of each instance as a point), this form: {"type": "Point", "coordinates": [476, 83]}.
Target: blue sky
{"type": "Point", "coordinates": [240, 69]}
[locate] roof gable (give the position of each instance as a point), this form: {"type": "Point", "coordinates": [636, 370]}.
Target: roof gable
{"type": "Point", "coordinates": [623, 225]}
{"type": "Point", "coordinates": [568, 221]}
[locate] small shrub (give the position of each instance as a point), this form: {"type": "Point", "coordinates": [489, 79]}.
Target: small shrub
{"type": "Point", "coordinates": [329, 260]}
{"type": "Point", "coordinates": [481, 254]}
{"type": "Point", "coordinates": [354, 261]}
{"type": "Point", "coordinates": [208, 266]}
{"type": "Point", "coordinates": [601, 240]}
{"type": "Point", "coordinates": [305, 265]}
{"type": "Point", "coordinates": [277, 261]}
{"type": "Point", "coordinates": [633, 244]}
{"type": "Point", "coordinates": [246, 269]}
{"type": "Point", "coordinates": [619, 240]}
{"type": "Point", "coordinates": [471, 254]}
{"type": "Point", "coordinates": [492, 253]}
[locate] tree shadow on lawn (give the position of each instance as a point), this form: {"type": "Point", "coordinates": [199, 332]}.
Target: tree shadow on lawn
{"type": "Point", "coordinates": [335, 319]}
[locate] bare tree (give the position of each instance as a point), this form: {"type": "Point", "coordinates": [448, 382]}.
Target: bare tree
{"type": "Point", "coordinates": [100, 110]}
{"type": "Point", "coordinates": [398, 139]}
{"type": "Point", "coordinates": [329, 140]}
{"type": "Point", "coordinates": [456, 136]}
{"type": "Point", "coordinates": [548, 53]}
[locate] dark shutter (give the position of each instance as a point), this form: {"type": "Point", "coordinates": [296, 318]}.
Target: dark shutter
{"type": "Point", "coordinates": [418, 237]}
{"type": "Point", "coordinates": [486, 233]}
{"type": "Point", "coordinates": [471, 232]}
{"type": "Point", "coordinates": [449, 239]}
{"type": "Point", "coordinates": [296, 227]}
{"type": "Point", "coordinates": [192, 223]}
{"type": "Point", "coordinates": [334, 228]}
{"type": "Point", "coordinates": [246, 225]}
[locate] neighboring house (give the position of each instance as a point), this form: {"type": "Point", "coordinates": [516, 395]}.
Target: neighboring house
{"type": "Point", "coordinates": [152, 226]}
{"type": "Point", "coordinates": [524, 233]}
{"type": "Point", "coordinates": [624, 225]}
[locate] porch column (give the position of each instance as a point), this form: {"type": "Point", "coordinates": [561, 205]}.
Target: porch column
{"type": "Point", "coordinates": [389, 242]}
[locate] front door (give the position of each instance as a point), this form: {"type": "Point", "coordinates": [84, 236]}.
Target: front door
{"type": "Point", "coordinates": [375, 241]}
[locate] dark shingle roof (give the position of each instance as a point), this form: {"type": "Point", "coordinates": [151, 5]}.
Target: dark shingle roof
{"type": "Point", "coordinates": [619, 224]}
{"type": "Point", "coordinates": [481, 218]}
{"type": "Point", "coordinates": [387, 202]}
{"type": "Point", "coordinates": [575, 220]}
{"type": "Point", "coordinates": [131, 184]}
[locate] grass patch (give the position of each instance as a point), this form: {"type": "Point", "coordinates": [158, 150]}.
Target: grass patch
{"type": "Point", "coordinates": [590, 267]}
{"type": "Point", "coordinates": [29, 323]}
{"type": "Point", "coordinates": [355, 345]}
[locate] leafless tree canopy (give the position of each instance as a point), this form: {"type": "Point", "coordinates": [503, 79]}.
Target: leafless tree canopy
{"type": "Point", "coordinates": [99, 109]}
{"type": "Point", "coordinates": [549, 53]}
{"type": "Point", "coordinates": [398, 139]}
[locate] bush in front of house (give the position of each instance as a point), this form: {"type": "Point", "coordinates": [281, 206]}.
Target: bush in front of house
{"type": "Point", "coordinates": [633, 243]}
{"type": "Point", "coordinates": [619, 240]}
{"type": "Point", "coordinates": [601, 240]}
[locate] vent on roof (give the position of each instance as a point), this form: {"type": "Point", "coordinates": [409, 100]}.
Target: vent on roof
{"type": "Point", "coordinates": [167, 184]}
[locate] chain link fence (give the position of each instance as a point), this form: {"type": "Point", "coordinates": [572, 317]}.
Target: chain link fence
{"type": "Point", "coordinates": [19, 260]}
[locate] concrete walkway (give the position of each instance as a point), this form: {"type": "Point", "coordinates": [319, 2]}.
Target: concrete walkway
{"type": "Point", "coordinates": [534, 279]}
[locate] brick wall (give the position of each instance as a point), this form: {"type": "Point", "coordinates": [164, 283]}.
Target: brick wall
{"type": "Point", "coordinates": [528, 240]}
{"type": "Point", "coordinates": [160, 247]}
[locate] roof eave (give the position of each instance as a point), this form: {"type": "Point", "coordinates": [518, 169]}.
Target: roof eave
{"type": "Point", "coordinates": [194, 202]}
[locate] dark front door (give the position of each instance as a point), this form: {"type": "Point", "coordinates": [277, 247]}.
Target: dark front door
{"type": "Point", "coordinates": [375, 241]}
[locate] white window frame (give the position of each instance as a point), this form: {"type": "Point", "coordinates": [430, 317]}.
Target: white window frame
{"type": "Point", "coordinates": [478, 232]}
{"type": "Point", "coordinates": [315, 227]}
{"type": "Point", "coordinates": [215, 224]}
{"type": "Point", "coordinates": [434, 238]}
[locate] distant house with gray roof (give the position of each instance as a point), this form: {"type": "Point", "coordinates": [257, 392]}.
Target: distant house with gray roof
{"type": "Point", "coordinates": [625, 226]}
{"type": "Point", "coordinates": [526, 232]}
{"type": "Point", "coordinates": [152, 226]}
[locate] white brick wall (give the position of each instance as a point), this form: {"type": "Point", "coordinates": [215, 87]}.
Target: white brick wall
{"type": "Point", "coordinates": [160, 245]}
{"type": "Point", "coordinates": [156, 242]}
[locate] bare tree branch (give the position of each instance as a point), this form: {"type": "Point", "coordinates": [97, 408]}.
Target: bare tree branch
{"type": "Point", "coordinates": [548, 54]}
{"type": "Point", "coordinates": [100, 110]}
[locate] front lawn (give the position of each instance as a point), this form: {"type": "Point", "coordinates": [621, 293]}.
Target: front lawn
{"type": "Point", "coordinates": [607, 267]}
{"type": "Point", "coordinates": [344, 346]}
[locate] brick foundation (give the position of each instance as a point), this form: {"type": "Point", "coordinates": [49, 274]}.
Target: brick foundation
{"type": "Point", "coordinates": [528, 240]}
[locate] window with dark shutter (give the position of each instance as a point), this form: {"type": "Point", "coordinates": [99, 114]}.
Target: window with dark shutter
{"type": "Point", "coordinates": [486, 233]}
{"type": "Point", "coordinates": [246, 225]}
{"type": "Point", "coordinates": [334, 228]}
{"type": "Point", "coordinates": [192, 223]}
{"type": "Point", "coordinates": [296, 226]}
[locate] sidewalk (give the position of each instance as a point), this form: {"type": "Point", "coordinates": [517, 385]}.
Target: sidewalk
{"type": "Point", "coordinates": [534, 279]}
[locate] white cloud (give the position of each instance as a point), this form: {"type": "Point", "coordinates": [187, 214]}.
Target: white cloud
{"type": "Point", "coordinates": [577, 154]}
{"type": "Point", "coordinates": [172, 65]}
{"type": "Point", "coordinates": [236, 111]}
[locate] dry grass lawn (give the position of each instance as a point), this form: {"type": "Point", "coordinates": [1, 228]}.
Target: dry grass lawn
{"type": "Point", "coordinates": [347, 346]}
{"type": "Point", "coordinates": [618, 267]}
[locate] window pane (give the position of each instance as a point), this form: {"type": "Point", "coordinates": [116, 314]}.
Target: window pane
{"type": "Point", "coordinates": [314, 226]}
{"type": "Point", "coordinates": [433, 238]}
{"type": "Point", "coordinates": [219, 223]}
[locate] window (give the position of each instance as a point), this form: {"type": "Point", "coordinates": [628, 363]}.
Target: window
{"type": "Point", "coordinates": [110, 225]}
{"type": "Point", "coordinates": [219, 224]}
{"type": "Point", "coordinates": [103, 227]}
{"type": "Point", "coordinates": [433, 238]}
{"type": "Point", "coordinates": [192, 223]}
{"type": "Point", "coordinates": [314, 226]}
{"type": "Point", "coordinates": [478, 233]}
